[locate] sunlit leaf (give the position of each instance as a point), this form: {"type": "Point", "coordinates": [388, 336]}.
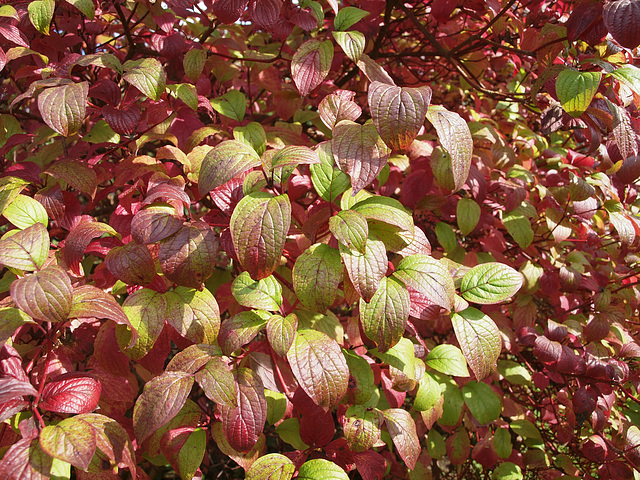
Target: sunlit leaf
{"type": "Point", "coordinates": [338, 106]}
{"type": "Point", "coordinates": [272, 466]}
{"type": "Point", "coordinates": [310, 64]}
{"type": "Point", "coordinates": [483, 403]}
{"type": "Point", "coordinates": [194, 314]}
{"type": "Point", "coordinates": [232, 104]}
{"type": "Point", "coordinates": [429, 277]}
{"type": "Point", "coordinates": [328, 181]}
{"type": "Point", "coordinates": [576, 89]}
{"type": "Point", "coordinates": [71, 393]}
{"type": "Point", "coordinates": [479, 339]}
{"type": "Point", "coordinates": [224, 162]}
{"type": "Point", "coordinates": [132, 264]}
{"type": "Point", "coordinates": [362, 427]}
{"type": "Point", "coordinates": [45, 295]}
{"type": "Point", "coordinates": [146, 310]}
{"type": "Point", "coordinates": [352, 43]}
{"type": "Point", "coordinates": [316, 276]}
{"type": "Point", "coordinates": [147, 75]}
{"type": "Point", "coordinates": [321, 469]}
{"type": "Point", "coordinates": [218, 383]}
{"type": "Point", "coordinates": [72, 440]}
{"type": "Point", "coordinates": [26, 250]}
{"type": "Point", "coordinates": [41, 14]}
{"type": "Point", "coordinates": [64, 108]}
{"type": "Point", "coordinates": [281, 332]}
{"type": "Point", "coordinates": [366, 270]}
{"type": "Point", "coordinates": [25, 211]}
{"type": "Point", "coordinates": [490, 283]}
{"type": "Point", "coordinates": [448, 359]}
{"type": "Point", "coordinates": [402, 429]}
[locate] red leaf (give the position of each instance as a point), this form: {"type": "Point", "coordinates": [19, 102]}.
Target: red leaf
{"type": "Point", "coordinates": [132, 264]}
{"type": "Point", "coordinates": [338, 106]}
{"type": "Point", "coordinates": [402, 429]}
{"type": "Point", "coordinates": [229, 11]}
{"type": "Point", "coordinates": [371, 465]}
{"type": "Point", "coordinates": [46, 295]}
{"type": "Point", "coordinates": [584, 17]}
{"type": "Point", "coordinates": [155, 223]}
{"type": "Point", "coordinates": [78, 240]}
{"type": "Point", "coordinates": [622, 19]}
{"type": "Point", "coordinates": [25, 460]}
{"type": "Point", "coordinates": [265, 13]}
{"type": "Point", "coordinates": [123, 121]}
{"type": "Point", "coordinates": [441, 10]}
{"type": "Point", "coordinates": [72, 440]}
{"type": "Point", "coordinates": [316, 426]}
{"type": "Point", "coordinates": [71, 393]}
{"type": "Point", "coordinates": [13, 34]}
{"type": "Point", "coordinates": [12, 388]}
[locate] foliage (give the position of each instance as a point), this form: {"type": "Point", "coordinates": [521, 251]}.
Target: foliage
{"type": "Point", "coordinates": [319, 239]}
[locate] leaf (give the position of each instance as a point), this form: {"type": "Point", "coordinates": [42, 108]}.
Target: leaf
{"type": "Point", "coordinates": [112, 440]}
{"type": "Point", "coordinates": [64, 108]}
{"type": "Point", "coordinates": [10, 320]}
{"type": "Point", "coordinates": [483, 403]}
{"type": "Point", "coordinates": [362, 427]}
{"type": "Point", "coordinates": [317, 274]}
{"type": "Point", "coordinates": [71, 393]}
{"type": "Point", "coordinates": [310, 64]}
{"type": "Point", "coordinates": [72, 440]}
{"type": "Point", "coordinates": [373, 71]}
{"type": "Point", "coordinates": [490, 283]}
{"type": "Point", "coordinates": [352, 43]}
{"type": "Point", "coordinates": [429, 277]}
{"type": "Point", "coordinates": [338, 106]}
{"type": "Point", "coordinates": [154, 223]}
{"type": "Point", "coordinates": [259, 226]}
{"type": "Point", "coordinates": [27, 249]}
{"type": "Point", "coordinates": [86, 7]}
{"type": "Point", "coordinates": [76, 174]}
{"type": "Point", "coordinates": [402, 429]}
{"type": "Point", "coordinates": [447, 359]}
{"type": "Point", "coordinates": [161, 400]}
{"type": "Point", "coordinates": [193, 358]}
{"type": "Point", "coordinates": [366, 270]}
{"type": "Point", "coordinates": [621, 19]}
{"type": "Point", "coordinates": [359, 152]}
{"type": "Point", "coordinates": [10, 188]}
{"type": "Point", "coordinates": [385, 210]}
{"type": "Point", "coordinates": [218, 383]}
{"type": "Point", "coordinates": [428, 393]}
{"type": "Point", "coordinates": [502, 443]}
{"type": "Point", "coordinates": [12, 388]}
{"type": "Point", "coordinates": [25, 211]}
{"type": "Point", "coordinates": [194, 314]}
{"type": "Point", "coordinates": [294, 155]}
{"type": "Point", "coordinates": [244, 459]}
{"type": "Point", "coordinates": [398, 112]}
{"type": "Point", "coordinates": [25, 460]}
{"type": "Point", "coordinates": [319, 367]}
{"type": "Point", "coordinates": [507, 471]}
{"type": "Point", "coordinates": [467, 215]}
{"type": "Point", "coordinates": [224, 162]}
{"type": "Point", "coordinates": [384, 318]}
{"type": "Point", "coordinates": [146, 311]}
{"type": "Point", "coordinates": [78, 240]}
{"type": "Point", "coordinates": [273, 466]}
{"type": "Point", "coordinates": [321, 469]}
{"type": "Point", "coordinates": [188, 256]}
{"type": "Point", "coordinates": [328, 181]}
{"type": "Point", "coordinates": [41, 14]}
{"type": "Point", "coordinates": [45, 295]}
{"type": "Point", "coordinates": [351, 229]}
{"type": "Point", "coordinates": [347, 17]}
{"type": "Point", "coordinates": [629, 75]}
{"type": "Point", "coordinates": [519, 227]}
{"type": "Point", "coordinates": [229, 11]}
{"type": "Point", "coordinates": [131, 264]}
{"type": "Point", "coordinates": [147, 75]}
{"type": "Point", "coordinates": [193, 63]}
{"type": "Point", "coordinates": [479, 339]}
{"type": "Point", "coordinates": [239, 330]}
{"type": "Point", "coordinates": [281, 332]}
{"type": "Point", "coordinates": [232, 104]}
{"type": "Point", "coordinates": [184, 448]}
{"type": "Point", "coordinates": [265, 294]}
{"type": "Point", "coordinates": [253, 135]}
{"type": "Point", "coordinates": [575, 90]}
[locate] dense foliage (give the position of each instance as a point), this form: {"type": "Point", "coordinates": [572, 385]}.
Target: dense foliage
{"type": "Point", "coordinates": [319, 239]}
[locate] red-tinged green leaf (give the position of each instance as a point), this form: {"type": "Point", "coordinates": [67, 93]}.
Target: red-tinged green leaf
{"type": "Point", "coordinates": [243, 425]}
{"type": "Point", "coordinates": [359, 152]}
{"type": "Point", "coordinates": [27, 249]}
{"type": "Point", "coordinates": [328, 181]}
{"type": "Point", "coordinates": [259, 227]}
{"type": "Point", "coordinates": [347, 17]}
{"type": "Point", "coordinates": [224, 162]}
{"type": "Point", "coordinates": [112, 440]}
{"type": "Point", "coordinates": [184, 448]}
{"type": "Point", "coordinates": [575, 90]}
{"type": "Point", "coordinates": [446, 237]}
{"type": "Point", "coordinates": [373, 71]}
{"type": "Point", "coordinates": [265, 294]}
{"type": "Point", "coordinates": [147, 75]}
{"type": "Point", "coordinates": [188, 256]}
{"type": "Point", "coordinates": [338, 106]}
{"type": "Point", "coordinates": [146, 310]}
{"type": "Point", "coordinates": [502, 443]}
{"type": "Point", "coordinates": [366, 270]}
{"type": "Point", "coordinates": [45, 295]}
{"type": "Point", "coordinates": [194, 314]}
{"type": "Point", "coordinates": [239, 330]}
{"type": "Point", "coordinates": [310, 64]}
{"type": "Point", "coordinates": [11, 388]}
{"type": "Point", "coordinates": [519, 226]}
{"type": "Point", "coordinates": [102, 59]}
{"type": "Point", "coordinates": [447, 359]}
{"type": "Point", "coordinates": [321, 469]}
{"type": "Point", "coordinates": [623, 131]}
{"type": "Point", "coordinates": [77, 175]}
{"type": "Point", "coordinates": [25, 211]}
{"type": "Point", "coordinates": [10, 188]}
{"type": "Point", "coordinates": [294, 155]}
{"type": "Point", "coordinates": [64, 108]}
{"type": "Point", "coordinates": [281, 332]}
{"type": "Point", "coordinates": [319, 367]}
{"type": "Point", "coordinates": [629, 75]}
{"type": "Point", "coordinates": [362, 427]}
{"type": "Point", "coordinates": [132, 264]}
{"type": "Point", "coordinates": [232, 104]}
{"type": "Point", "coordinates": [25, 460]}
{"type": "Point", "coordinates": [244, 459]}
{"type": "Point", "coordinates": [352, 43]}
{"type": "Point", "coordinates": [252, 134]}
{"type": "Point", "coordinates": [92, 302]}
{"type": "Point", "coordinates": [273, 466]}
{"type": "Point", "coordinates": [490, 283]}
{"type": "Point", "coordinates": [78, 240]}
{"type": "Point", "coordinates": [619, 219]}
{"type": "Point", "coordinates": [71, 393]}
{"type": "Point", "coordinates": [10, 320]}
{"type": "Point", "coordinates": [429, 277]}
{"type": "Point", "coordinates": [479, 339]}
{"type": "Point", "coordinates": [483, 403]}
{"type": "Point", "coordinates": [154, 223]}
{"type": "Point", "coordinates": [458, 447]}
{"type": "Point", "coordinates": [402, 429]}
{"type": "Point", "coordinates": [384, 318]}
{"type": "Point", "coordinates": [385, 210]}
{"type": "Point", "coordinates": [398, 112]}
{"type": "Point", "coordinates": [218, 383]}
{"type": "Point", "coordinates": [289, 432]}
{"type": "Point", "coordinates": [351, 229]}
{"type": "Point", "coordinates": [193, 63]}
{"type": "Point", "coordinates": [316, 276]}
{"type": "Point", "coordinates": [467, 215]}
{"type": "Point", "coordinates": [442, 168]}
{"type": "Point", "coordinates": [187, 93]}
{"type": "Point", "coordinates": [622, 18]}
{"type": "Point", "coordinates": [72, 440]}
{"type": "Point", "coordinates": [8, 11]}
{"type": "Point", "coordinates": [41, 14]}
{"type": "Point", "coordinates": [161, 400]}
{"type": "Point", "coordinates": [193, 358]}
{"type": "Point", "coordinates": [190, 415]}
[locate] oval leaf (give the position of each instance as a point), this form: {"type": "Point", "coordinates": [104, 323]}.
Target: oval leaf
{"type": "Point", "coordinates": [224, 162]}
{"type": "Point", "coordinates": [64, 108]}
{"type": "Point", "coordinates": [479, 339]}
{"type": "Point", "coordinates": [71, 393]}
{"type": "Point", "coordinates": [265, 294]}
{"type": "Point", "coordinates": [338, 106]}
{"type": "Point", "coordinates": [490, 283]}
{"type": "Point", "coordinates": [402, 429]}
{"type": "Point", "coordinates": [218, 383]}
{"type": "Point", "coordinates": [483, 403]}
{"type": "Point", "coordinates": [26, 250]}
{"type": "Point", "coordinates": [147, 75]}
{"type": "Point", "coordinates": [131, 264]}
{"type": "Point", "coordinates": [194, 314]}
{"type": "Point", "coordinates": [271, 467]}
{"type": "Point", "coordinates": [429, 277]}
{"type": "Point", "coordinates": [25, 211]}
{"type": "Point", "coordinates": [146, 310]}
{"type": "Point", "coordinates": [45, 295]}
{"type": "Point", "coordinates": [448, 359]}
{"type": "Point", "coordinates": [310, 64]}
{"type": "Point", "coordinates": [321, 469]}
{"type": "Point", "coordinates": [72, 440]}
{"type": "Point", "coordinates": [575, 90]}
{"type": "Point", "coordinates": [366, 270]}
{"type": "Point", "coordinates": [281, 332]}
{"type": "Point", "coordinates": [622, 18]}
{"type": "Point", "coordinates": [317, 274]}
{"type": "Point", "coordinates": [154, 223]}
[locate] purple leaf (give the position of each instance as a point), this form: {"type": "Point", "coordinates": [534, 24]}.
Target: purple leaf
{"type": "Point", "coordinates": [25, 460]}
{"type": "Point", "coordinates": [239, 330]}
{"type": "Point", "coordinates": [373, 71]}
{"type": "Point", "coordinates": [71, 393]}
{"type": "Point", "coordinates": [72, 440]}
{"type": "Point", "coordinates": [78, 240]}
{"type": "Point", "coordinates": [64, 108]}
{"type": "Point", "coordinates": [294, 155]}
{"type": "Point", "coordinates": [124, 121]}
{"type": "Point", "coordinates": [310, 64]}
{"type": "Point", "coordinates": [229, 11]}
{"type": "Point", "coordinates": [45, 295]}
{"type": "Point", "coordinates": [622, 19]}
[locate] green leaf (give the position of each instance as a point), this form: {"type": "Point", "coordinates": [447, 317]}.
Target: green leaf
{"type": "Point", "coordinates": [265, 294]}
{"type": "Point", "coordinates": [239, 330]}
{"type": "Point", "coordinates": [490, 283]}
{"type": "Point", "coordinates": [316, 276]}
{"type": "Point", "coordinates": [455, 137]}
{"type": "Point", "coordinates": [272, 466]}
{"type": "Point", "coordinates": [191, 453]}
{"type": "Point", "coordinates": [629, 75]}
{"type": "Point", "coordinates": [429, 277]}
{"type": "Point", "coordinates": [467, 215]}
{"type": "Point", "coordinates": [146, 310]}
{"type": "Point", "coordinates": [72, 440]}
{"type": "Point", "coordinates": [259, 226]}
{"type": "Point", "coordinates": [575, 90]}
{"type": "Point", "coordinates": [348, 16]}
{"type": "Point", "coordinates": [289, 432]}
{"type": "Point", "coordinates": [25, 211]}
{"type": "Point", "coordinates": [352, 43]}
{"type": "Point", "coordinates": [328, 181]}
{"type": "Point", "coordinates": [217, 382]}
{"type": "Point", "coordinates": [281, 332]}
{"type": "Point", "coordinates": [321, 469]}
{"type": "Point", "coordinates": [446, 236]}
{"type": "Point", "coordinates": [507, 471]}
{"type": "Point", "coordinates": [514, 372]}
{"type": "Point", "coordinates": [232, 104]}
{"type": "Point", "coordinates": [402, 357]}
{"type": "Point", "coordinates": [502, 442]}
{"type": "Point", "coordinates": [10, 188]}
{"type": "Point", "coordinates": [366, 270]}
{"type": "Point", "coordinates": [193, 358]}
{"type": "Point", "coordinates": [362, 427]}
{"type": "Point", "coordinates": [10, 320]}
{"type": "Point", "coordinates": [479, 339]}
{"type": "Point", "coordinates": [310, 64]}
{"type": "Point", "coordinates": [519, 227]}
{"type": "Point", "coordinates": [41, 14]}
{"type": "Point", "coordinates": [86, 7]}
{"type": "Point", "coordinates": [64, 108]}
{"type": "Point", "coordinates": [102, 60]}
{"type": "Point", "coordinates": [385, 210]}
{"type": "Point", "coordinates": [351, 229]}
{"type": "Point", "coordinates": [193, 63]}
{"type": "Point", "coordinates": [452, 404]}
{"type": "Point", "coordinates": [253, 135]}
{"type": "Point", "coordinates": [194, 314]}
{"type": "Point", "coordinates": [621, 222]}
{"type": "Point", "coordinates": [483, 403]}
{"type": "Point", "coordinates": [8, 11]}
{"type": "Point", "coordinates": [361, 383]}
{"type": "Point", "coordinates": [402, 429]}
{"type": "Point", "coordinates": [385, 316]}
{"type": "Point", "coordinates": [147, 75]}
{"type": "Point", "coordinates": [276, 406]}
{"type": "Point", "coordinates": [436, 445]}
{"type": "Point", "coordinates": [45, 295]}
{"type": "Point", "coordinates": [187, 93]}
{"type": "Point", "coordinates": [27, 249]}
{"type": "Point", "coordinates": [447, 359]}
{"type": "Point", "coordinates": [428, 393]}
{"type": "Point", "coordinates": [320, 367]}
{"type": "Point", "coordinates": [224, 162]}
